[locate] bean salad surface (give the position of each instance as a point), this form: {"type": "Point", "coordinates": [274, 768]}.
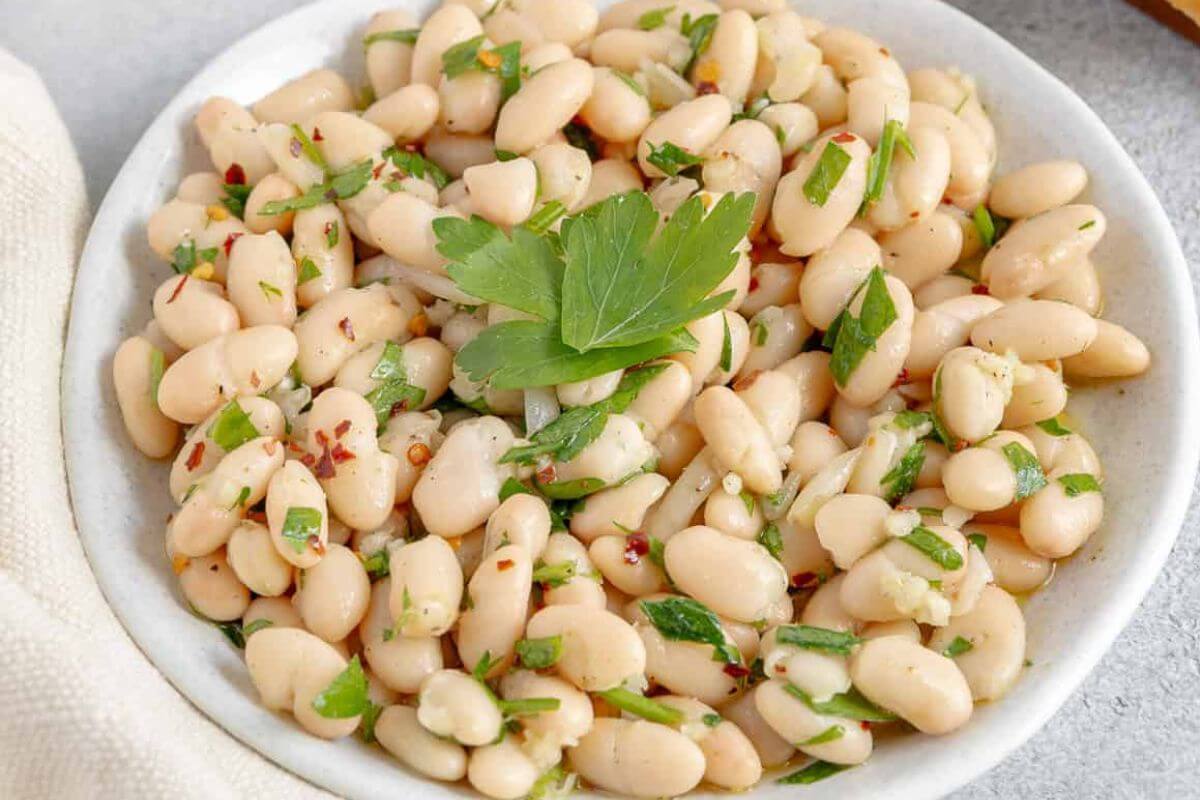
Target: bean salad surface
{"type": "Point", "coordinates": [630, 400]}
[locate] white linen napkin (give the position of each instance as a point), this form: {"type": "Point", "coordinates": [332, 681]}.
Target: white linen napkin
{"type": "Point", "coordinates": [83, 714]}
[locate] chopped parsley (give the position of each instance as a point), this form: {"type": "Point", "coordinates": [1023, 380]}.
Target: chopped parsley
{"type": "Point", "coordinates": [408, 36]}
{"type": "Point", "coordinates": [1026, 468]}
{"type": "Point", "coordinates": [770, 538]}
{"type": "Point", "coordinates": [300, 525]}
{"type": "Point", "coordinates": [545, 217]}
{"type": "Point", "coordinates": [270, 290]}
{"type": "Point", "coordinates": [957, 647]}
{"type": "Point", "coordinates": [236, 195]}
{"type": "Point", "coordinates": [158, 365]}
{"type": "Point", "coordinates": [852, 337]}
{"type": "Point", "coordinates": [539, 653]}
{"type": "Point", "coordinates": [816, 771]}
{"type": "Point", "coordinates": [346, 696]}
{"type": "Point", "coordinates": [979, 540]}
{"type": "Point", "coordinates": [671, 158]}
{"type": "Point", "coordinates": [809, 637]}
{"type": "Point", "coordinates": [341, 186]}
{"type": "Point", "coordinates": [880, 163]}
{"type": "Point", "coordinates": [1079, 483]}
{"type": "Point", "coordinates": [901, 478]}
{"type": "Point", "coordinates": [417, 165]}
{"type": "Point", "coordinates": [937, 549]}
{"type": "Point", "coordinates": [849, 705]}
{"type": "Point", "coordinates": [984, 225]}
{"type": "Point", "coordinates": [1053, 427]}
{"type": "Point", "coordinates": [830, 734]}
{"type": "Point", "coordinates": [699, 33]}
{"type": "Point", "coordinates": [186, 257]}
{"type": "Point", "coordinates": [654, 18]}
{"type": "Point", "coordinates": [640, 706]}
{"type": "Point", "coordinates": [232, 428]}
{"type": "Point", "coordinates": [310, 150]}
{"type": "Point", "coordinates": [826, 174]}
{"type": "Point", "coordinates": [682, 619]}
{"type": "Point", "coordinates": [726, 362]}
{"type": "Point", "coordinates": [308, 271]}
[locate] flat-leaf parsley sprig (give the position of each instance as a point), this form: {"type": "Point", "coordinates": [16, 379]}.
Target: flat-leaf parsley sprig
{"type": "Point", "coordinates": [615, 293]}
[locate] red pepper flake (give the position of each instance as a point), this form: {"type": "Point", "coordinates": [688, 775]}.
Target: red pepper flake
{"type": "Point", "coordinates": [780, 668]}
{"type": "Point", "coordinates": [902, 379]}
{"type": "Point", "coordinates": [844, 137]}
{"type": "Point", "coordinates": [195, 457]}
{"type": "Point", "coordinates": [257, 516]}
{"type": "Point", "coordinates": [866, 726]}
{"type": "Point", "coordinates": [235, 175]}
{"type": "Point", "coordinates": [308, 460]}
{"type": "Point", "coordinates": [340, 454]}
{"type": "Point", "coordinates": [418, 325]}
{"type": "Point", "coordinates": [342, 428]}
{"type": "Point", "coordinates": [331, 195]}
{"type": "Point", "coordinates": [178, 288]}
{"type": "Point", "coordinates": [914, 214]}
{"type": "Point", "coordinates": [636, 546]}
{"type": "Point", "coordinates": [752, 285]}
{"type": "Point", "coordinates": [885, 52]}
{"type": "Point", "coordinates": [418, 454]}
{"type": "Point", "coordinates": [958, 446]}
{"type": "Point", "coordinates": [255, 381]}
{"type": "Point", "coordinates": [411, 147]}
{"type": "Point", "coordinates": [375, 173]}
{"type": "Point", "coordinates": [316, 544]}
{"type": "Point", "coordinates": [806, 580]}
{"type": "Point", "coordinates": [746, 381]}
{"type": "Point", "coordinates": [980, 288]}
{"type": "Point", "coordinates": [324, 468]}
{"type": "Point", "coordinates": [504, 565]}
{"type": "Point", "coordinates": [546, 474]}
{"type": "Point", "coordinates": [295, 148]}
{"type": "Point", "coordinates": [707, 87]}
{"type": "Point", "coordinates": [736, 671]}
{"type": "Point", "coordinates": [346, 328]}
{"type": "Point", "coordinates": [322, 438]}
{"type": "Point", "coordinates": [229, 240]}
{"type": "Point", "coordinates": [903, 507]}
{"type": "Point", "coordinates": [317, 137]}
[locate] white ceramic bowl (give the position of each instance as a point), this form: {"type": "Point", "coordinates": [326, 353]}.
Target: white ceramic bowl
{"type": "Point", "coordinates": [1147, 431]}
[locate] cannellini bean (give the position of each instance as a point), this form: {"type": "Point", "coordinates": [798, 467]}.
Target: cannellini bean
{"type": "Point", "coordinates": [207, 227]}
{"type": "Point", "coordinates": [583, 587]}
{"type": "Point", "coordinates": [685, 668]}
{"type": "Point", "coordinates": [734, 577]}
{"type": "Point", "coordinates": [871, 102]}
{"type": "Point", "coordinates": [256, 562]}
{"type": "Point", "coordinates": [612, 511]}
{"type": "Point", "coordinates": [900, 627]}
{"type": "Point", "coordinates": [1044, 395]}
{"type": "Point", "coordinates": [1016, 568]}
{"type": "Point", "coordinates": [736, 515]}
{"type": "Point", "coordinates": [460, 487]}
{"type": "Point", "coordinates": [402, 225]}
{"type": "Point", "coordinates": [278, 139]}
{"type": "Point", "coordinates": [996, 630]}
{"type": "Point", "coordinates": [346, 139]}
{"type": "Point", "coordinates": [731, 761]}
{"type": "Point", "coordinates": [776, 335]}
{"type": "Point", "coordinates": [294, 487]}
{"type": "Point", "coordinates": [1036, 252]}
{"type": "Point", "coordinates": [787, 61]}
{"type": "Point", "coordinates": [794, 124]}
{"type": "Point", "coordinates": [814, 445]}
{"type": "Point", "coordinates": [745, 158]}
{"type": "Point", "coordinates": [412, 438]}
{"type": "Point", "coordinates": [772, 749]}
{"type": "Point", "coordinates": [427, 586]}
{"type": "Point", "coordinates": [804, 227]}
{"type": "Point", "coordinates": [738, 439]}
{"type": "Point", "coordinates": [401, 734]}
{"type": "Point", "coordinates": [503, 192]}
{"type": "Point", "coordinates": [468, 103]}
{"type": "Point", "coordinates": [407, 113]}
{"type": "Point", "coordinates": [833, 274]}
{"type": "Point", "coordinates": [191, 311]}
{"type": "Point", "coordinates": [389, 61]}
{"type": "Point", "coordinates": [303, 98]}
{"type": "Point", "coordinates": [570, 22]}
{"type": "Point", "coordinates": [1113, 353]}
{"type": "Point", "coordinates": [627, 50]}
{"type": "Point", "coordinates": [923, 250]}
{"type": "Point", "coordinates": [212, 588]}
{"type": "Point", "coordinates": [545, 54]}
{"type": "Point", "coordinates": [1055, 524]}
{"type": "Point", "coordinates": [731, 57]}
{"type": "Point", "coordinates": [137, 372]}
{"type": "Point", "coordinates": [638, 759]}
{"type": "Point", "coordinates": [826, 98]}
{"type": "Point", "coordinates": [792, 719]}
{"type": "Point", "coordinates": [261, 280]}
{"type": "Point", "coordinates": [600, 650]}
{"type": "Point", "coordinates": [273, 188]}
{"type": "Point", "coordinates": [200, 454]}
{"type": "Point", "coordinates": [973, 387]}
{"type": "Point", "coordinates": [979, 479]}
{"type": "Point", "coordinates": [618, 452]}
{"type": "Point", "coordinates": [204, 188]}
{"type": "Point", "coordinates": [615, 110]}
{"type": "Point", "coordinates": [820, 675]}
{"type": "Point", "coordinates": [632, 574]}
{"type": "Point", "coordinates": [290, 667]}
{"type": "Point", "coordinates": [228, 131]}
{"type": "Point", "coordinates": [702, 363]}
{"type": "Point", "coordinates": [853, 423]}
{"type": "Point", "coordinates": [566, 724]}
{"type": "Point", "coordinates": [275, 612]}
{"type": "Point", "coordinates": [1036, 330]}
{"type": "Point", "coordinates": [498, 599]}
{"type": "Point", "coordinates": [453, 705]}
{"type": "Point", "coordinates": [827, 483]}
{"type": "Point", "coordinates": [771, 285]}
{"type": "Point", "coordinates": [446, 27]}
{"type": "Point", "coordinates": [455, 152]}
{"type": "Point", "coordinates": [213, 510]}
{"type": "Point", "coordinates": [852, 525]}
{"type": "Point", "coordinates": [344, 323]}
{"type": "Point", "coordinates": [1036, 188]}
{"type": "Point", "coordinates": [551, 98]}
{"type": "Point", "coordinates": [774, 399]}
{"type": "Point", "coordinates": [693, 126]}
{"type": "Point", "coordinates": [321, 237]}
{"type": "Point", "coordinates": [424, 363]}
{"type": "Point", "coordinates": [592, 390]}
{"type": "Point", "coordinates": [502, 770]}
{"type": "Point", "coordinates": [677, 447]}
{"type": "Point", "coordinates": [955, 92]}
{"type": "Point", "coordinates": [522, 520]}
{"type": "Point", "coordinates": [877, 372]}
{"type": "Point", "coordinates": [854, 55]}
{"type": "Point", "coordinates": [970, 162]}
{"type": "Point", "coordinates": [333, 596]}
{"type": "Point", "coordinates": [563, 173]}
{"type": "Point", "coordinates": [626, 13]}
{"type": "Point", "coordinates": [941, 289]}
{"type": "Point", "coordinates": [939, 328]}
{"type": "Point", "coordinates": [915, 186]}
{"type": "Point", "coordinates": [811, 372]}
{"type": "Point", "coordinates": [925, 689]}
{"type": "Point", "coordinates": [824, 608]}
{"type": "Point", "coordinates": [610, 176]}
{"type": "Point", "coordinates": [401, 662]}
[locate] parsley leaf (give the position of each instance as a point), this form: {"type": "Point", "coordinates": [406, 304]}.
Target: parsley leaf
{"type": "Point", "coordinates": [522, 353]}
{"type": "Point", "coordinates": [880, 163]}
{"type": "Point", "coordinates": [622, 289]}
{"type": "Point", "coordinates": [418, 166]}
{"type": "Point", "coordinates": [699, 33]}
{"type": "Point", "coordinates": [554, 575]}
{"type": "Point", "coordinates": [308, 148]}
{"type": "Point", "coordinates": [462, 57]}
{"type": "Point", "coordinates": [571, 490]}
{"type": "Point", "coordinates": [957, 647]}
{"type": "Point", "coordinates": [539, 653]}
{"type": "Point", "coordinates": [346, 696]}
{"type": "Point", "coordinates": [332, 234]}
{"type": "Point", "coordinates": [671, 158]}
{"type": "Point", "coordinates": [308, 271]}
{"type": "Point", "coordinates": [683, 619]}
{"type": "Point", "coordinates": [1026, 468]}
{"type": "Point", "coordinates": [901, 478]}
{"type": "Point", "coordinates": [628, 80]}
{"type": "Point", "coordinates": [390, 364]}
{"type": "Point", "coordinates": [641, 706]}
{"type": "Point", "coordinates": [391, 395]}
{"type": "Point", "coordinates": [545, 217]}
{"type": "Point", "coordinates": [408, 36]}
{"type": "Point", "coordinates": [985, 226]}
{"type": "Point", "coordinates": [342, 186]}
{"type": "Point", "coordinates": [186, 257]}
{"type": "Point", "coordinates": [853, 336]}
{"type": "Point", "coordinates": [770, 538]}
{"type": "Point", "coordinates": [935, 547]}
{"type": "Point", "coordinates": [1079, 483]}
{"type": "Point", "coordinates": [726, 362]}
{"type": "Point", "coordinates": [529, 705]}
{"type": "Point", "coordinates": [830, 734]}
{"type": "Point", "coordinates": [850, 705]}
{"type": "Point", "coordinates": [513, 486]}
{"type": "Point", "coordinates": [378, 565]}
{"type": "Point", "coordinates": [1053, 427]}
{"type": "Point", "coordinates": [370, 716]}
{"type": "Point", "coordinates": [300, 525]}
{"type": "Point", "coordinates": [235, 198]}
{"type": "Point", "coordinates": [826, 174]}
{"type": "Point", "coordinates": [979, 540]}
{"type": "Point", "coordinates": [654, 18]}
{"type": "Point", "coordinates": [565, 437]}
{"type": "Point", "coordinates": [232, 428]}
{"type": "Point", "coordinates": [816, 771]}
{"type": "Point", "coordinates": [523, 272]}
{"type": "Point", "coordinates": [809, 637]}
{"type": "Point", "coordinates": [504, 61]}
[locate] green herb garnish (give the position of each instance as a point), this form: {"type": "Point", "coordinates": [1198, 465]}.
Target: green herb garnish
{"type": "Point", "coordinates": [683, 619]}
{"type": "Point", "coordinates": [342, 186]}
{"type": "Point", "coordinates": [830, 734]}
{"type": "Point", "coordinates": [671, 158]}
{"type": "Point", "coordinates": [235, 198]}
{"type": "Point", "coordinates": [571, 490]}
{"type": "Point", "coordinates": [554, 575]}
{"type": "Point", "coordinates": [346, 696]}
{"type": "Point", "coordinates": [232, 428]}
{"type": "Point", "coordinates": [158, 365]}
{"type": "Point", "coordinates": [529, 705]}
{"type": "Point", "coordinates": [699, 33]}
{"type": "Point", "coordinates": [826, 174]}
{"type": "Point", "coordinates": [711, 720]}
{"type": "Point", "coordinates": [852, 337]}
{"type": "Point", "coordinates": [957, 647]}
{"type": "Point", "coordinates": [880, 163]}
{"type": "Point", "coordinates": [300, 525]}
{"type": "Point", "coordinates": [1079, 483]}
{"type": "Point", "coordinates": [816, 771]}
{"type": "Point", "coordinates": [408, 36]}
{"type": "Point", "coordinates": [417, 165]}
{"type": "Point", "coordinates": [539, 653]}
{"type": "Point", "coordinates": [270, 290]}
{"type": "Point", "coordinates": [310, 150]}
{"type": "Point", "coordinates": [935, 547]}
{"type": "Point", "coordinates": [1053, 427]}
{"type": "Point", "coordinates": [809, 637]}
{"type": "Point", "coordinates": [901, 478]}
{"type": "Point", "coordinates": [850, 705]}
{"type": "Point", "coordinates": [1026, 468]}
{"type": "Point", "coordinates": [378, 565]}
{"type": "Point", "coordinates": [979, 540]}
{"type": "Point", "coordinates": [770, 538]}
{"type": "Point", "coordinates": [641, 706]}
{"type": "Point", "coordinates": [655, 18]}
{"type": "Point", "coordinates": [186, 257]}
{"type": "Point", "coordinates": [726, 362]}
{"type": "Point", "coordinates": [545, 217]}
{"type": "Point", "coordinates": [308, 271]}
{"type": "Point", "coordinates": [984, 225]}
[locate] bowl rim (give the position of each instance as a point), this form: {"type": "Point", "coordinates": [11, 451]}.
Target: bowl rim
{"type": "Point", "coordinates": [1069, 674]}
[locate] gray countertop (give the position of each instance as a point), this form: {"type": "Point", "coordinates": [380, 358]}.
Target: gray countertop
{"type": "Point", "coordinates": [1133, 729]}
